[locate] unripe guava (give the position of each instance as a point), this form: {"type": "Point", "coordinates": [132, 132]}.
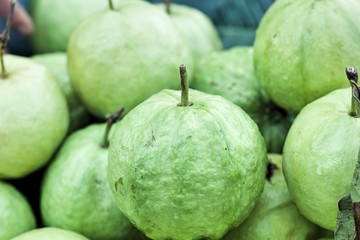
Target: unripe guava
{"type": "Point", "coordinates": [186, 172]}
{"type": "Point", "coordinates": [320, 153]}
{"type": "Point", "coordinates": [52, 233]}
{"type": "Point", "coordinates": [113, 56]}
{"type": "Point", "coordinates": [301, 48]}
{"type": "Point", "coordinates": [16, 215]}
{"type": "Point", "coordinates": [275, 215]}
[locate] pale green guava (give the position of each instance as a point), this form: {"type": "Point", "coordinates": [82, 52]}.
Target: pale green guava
{"type": "Point", "coordinates": [320, 153]}
{"type": "Point", "coordinates": [16, 214]}
{"type": "Point", "coordinates": [186, 172]}
{"type": "Point", "coordinates": [75, 194]}
{"type": "Point", "coordinates": [57, 63]}
{"type": "Point", "coordinates": [34, 117]}
{"type": "Point", "coordinates": [54, 21]}
{"type": "Point", "coordinates": [52, 233]}
{"type": "Point", "coordinates": [120, 57]}
{"type": "Point", "coordinates": [196, 27]}
{"type": "Point", "coordinates": [275, 215]}
{"type": "Point", "coordinates": [301, 48]}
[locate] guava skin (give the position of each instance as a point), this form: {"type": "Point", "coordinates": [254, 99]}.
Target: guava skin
{"type": "Point", "coordinates": [197, 28]}
{"type": "Point", "coordinates": [34, 117]}
{"type": "Point", "coordinates": [320, 153]}
{"type": "Point", "coordinates": [16, 215]}
{"type": "Point", "coordinates": [57, 63]}
{"type": "Point", "coordinates": [301, 48]}
{"type": "Point", "coordinates": [135, 38]}
{"type": "Point", "coordinates": [187, 172]}
{"type": "Point", "coordinates": [275, 215]}
{"type": "Point", "coordinates": [78, 174]}
{"type": "Point", "coordinates": [50, 233]}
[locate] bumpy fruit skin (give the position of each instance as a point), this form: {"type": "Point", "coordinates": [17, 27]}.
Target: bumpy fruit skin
{"type": "Point", "coordinates": [50, 233]}
{"type": "Point", "coordinates": [78, 174]}
{"type": "Point", "coordinates": [16, 215]}
{"type": "Point", "coordinates": [57, 63]}
{"type": "Point", "coordinates": [301, 48]}
{"type": "Point", "coordinates": [320, 153]}
{"type": "Point", "coordinates": [121, 57]}
{"type": "Point", "coordinates": [196, 27]}
{"type": "Point", "coordinates": [275, 215]}
{"type": "Point", "coordinates": [187, 172]}
{"type": "Point", "coordinates": [34, 117]}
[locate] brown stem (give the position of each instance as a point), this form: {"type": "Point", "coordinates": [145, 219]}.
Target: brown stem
{"type": "Point", "coordinates": [352, 76]}
{"type": "Point", "coordinates": [184, 87]}
{"type": "Point", "coordinates": [4, 38]}
{"type": "Point", "coordinates": [111, 120]}
{"type": "Point", "coordinates": [167, 6]}
{"type": "Point", "coordinates": [111, 5]}
{"type": "Point", "coordinates": [356, 208]}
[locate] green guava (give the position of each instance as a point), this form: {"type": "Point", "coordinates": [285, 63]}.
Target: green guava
{"type": "Point", "coordinates": [78, 174]}
{"type": "Point", "coordinates": [196, 27]}
{"type": "Point", "coordinates": [16, 214]}
{"type": "Point", "coordinates": [34, 117]}
{"type": "Point", "coordinates": [301, 48]}
{"type": "Point", "coordinates": [230, 74]}
{"type": "Point", "coordinates": [113, 56]}
{"type": "Point", "coordinates": [191, 170]}
{"type": "Point", "coordinates": [275, 215]}
{"type": "Point", "coordinates": [57, 63]}
{"type": "Point", "coordinates": [54, 21]}
{"type": "Point", "coordinates": [320, 153]}
{"type": "Point", "coordinates": [52, 233]}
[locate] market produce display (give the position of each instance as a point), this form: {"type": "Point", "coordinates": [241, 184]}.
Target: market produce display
{"type": "Point", "coordinates": [131, 121]}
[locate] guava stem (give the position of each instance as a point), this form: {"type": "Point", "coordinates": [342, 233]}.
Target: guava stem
{"type": "Point", "coordinates": [111, 5]}
{"type": "Point", "coordinates": [352, 76]}
{"type": "Point", "coordinates": [356, 208]}
{"type": "Point", "coordinates": [184, 87]}
{"type": "Point", "coordinates": [4, 38]}
{"type": "Point", "coordinates": [111, 120]}
{"type": "Point", "coordinates": [167, 6]}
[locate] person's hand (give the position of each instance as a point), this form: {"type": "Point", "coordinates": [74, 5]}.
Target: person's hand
{"type": "Point", "coordinates": [21, 21]}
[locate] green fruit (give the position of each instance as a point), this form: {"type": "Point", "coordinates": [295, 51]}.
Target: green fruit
{"type": "Point", "coordinates": [34, 117]}
{"type": "Point", "coordinates": [54, 21]}
{"type": "Point", "coordinates": [16, 215]}
{"type": "Point", "coordinates": [275, 215]}
{"type": "Point", "coordinates": [50, 233]}
{"type": "Point", "coordinates": [78, 175]}
{"type": "Point", "coordinates": [57, 64]}
{"type": "Point", "coordinates": [190, 171]}
{"type": "Point", "coordinates": [320, 153]}
{"type": "Point", "coordinates": [196, 27]}
{"type": "Point", "coordinates": [113, 56]}
{"type": "Point", "coordinates": [301, 48]}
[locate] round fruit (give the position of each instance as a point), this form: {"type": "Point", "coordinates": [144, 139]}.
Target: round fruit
{"type": "Point", "coordinates": [81, 167]}
{"type": "Point", "coordinates": [113, 56]}
{"type": "Point", "coordinates": [320, 153]}
{"type": "Point", "coordinates": [34, 117]}
{"type": "Point", "coordinates": [16, 215]}
{"type": "Point", "coordinates": [192, 170]}
{"type": "Point", "coordinates": [301, 48]}
{"type": "Point", "coordinates": [275, 215]}
{"type": "Point", "coordinates": [50, 233]}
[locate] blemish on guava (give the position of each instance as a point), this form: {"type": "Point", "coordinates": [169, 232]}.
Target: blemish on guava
{"type": "Point", "coordinates": [133, 188]}
{"type": "Point", "coordinates": [97, 181]}
{"type": "Point", "coordinates": [214, 84]}
{"type": "Point", "coordinates": [117, 183]}
{"type": "Point", "coordinates": [226, 149]}
{"type": "Point", "coordinates": [151, 142]}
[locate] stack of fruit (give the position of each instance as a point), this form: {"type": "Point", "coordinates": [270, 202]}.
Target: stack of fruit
{"type": "Point", "coordinates": [131, 122]}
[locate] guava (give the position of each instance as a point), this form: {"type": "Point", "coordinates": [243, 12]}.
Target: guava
{"type": "Point", "coordinates": [113, 56]}
{"type": "Point", "coordinates": [16, 214]}
{"type": "Point", "coordinates": [186, 169]}
{"type": "Point", "coordinates": [230, 74]}
{"type": "Point", "coordinates": [34, 117]}
{"type": "Point", "coordinates": [78, 175]}
{"type": "Point", "coordinates": [196, 27]}
{"type": "Point", "coordinates": [54, 21]}
{"type": "Point", "coordinates": [320, 153]}
{"type": "Point", "coordinates": [50, 233]}
{"type": "Point", "coordinates": [301, 48]}
{"type": "Point", "coordinates": [57, 63]}
{"type": "Point", "coordinates": [275, 215]}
